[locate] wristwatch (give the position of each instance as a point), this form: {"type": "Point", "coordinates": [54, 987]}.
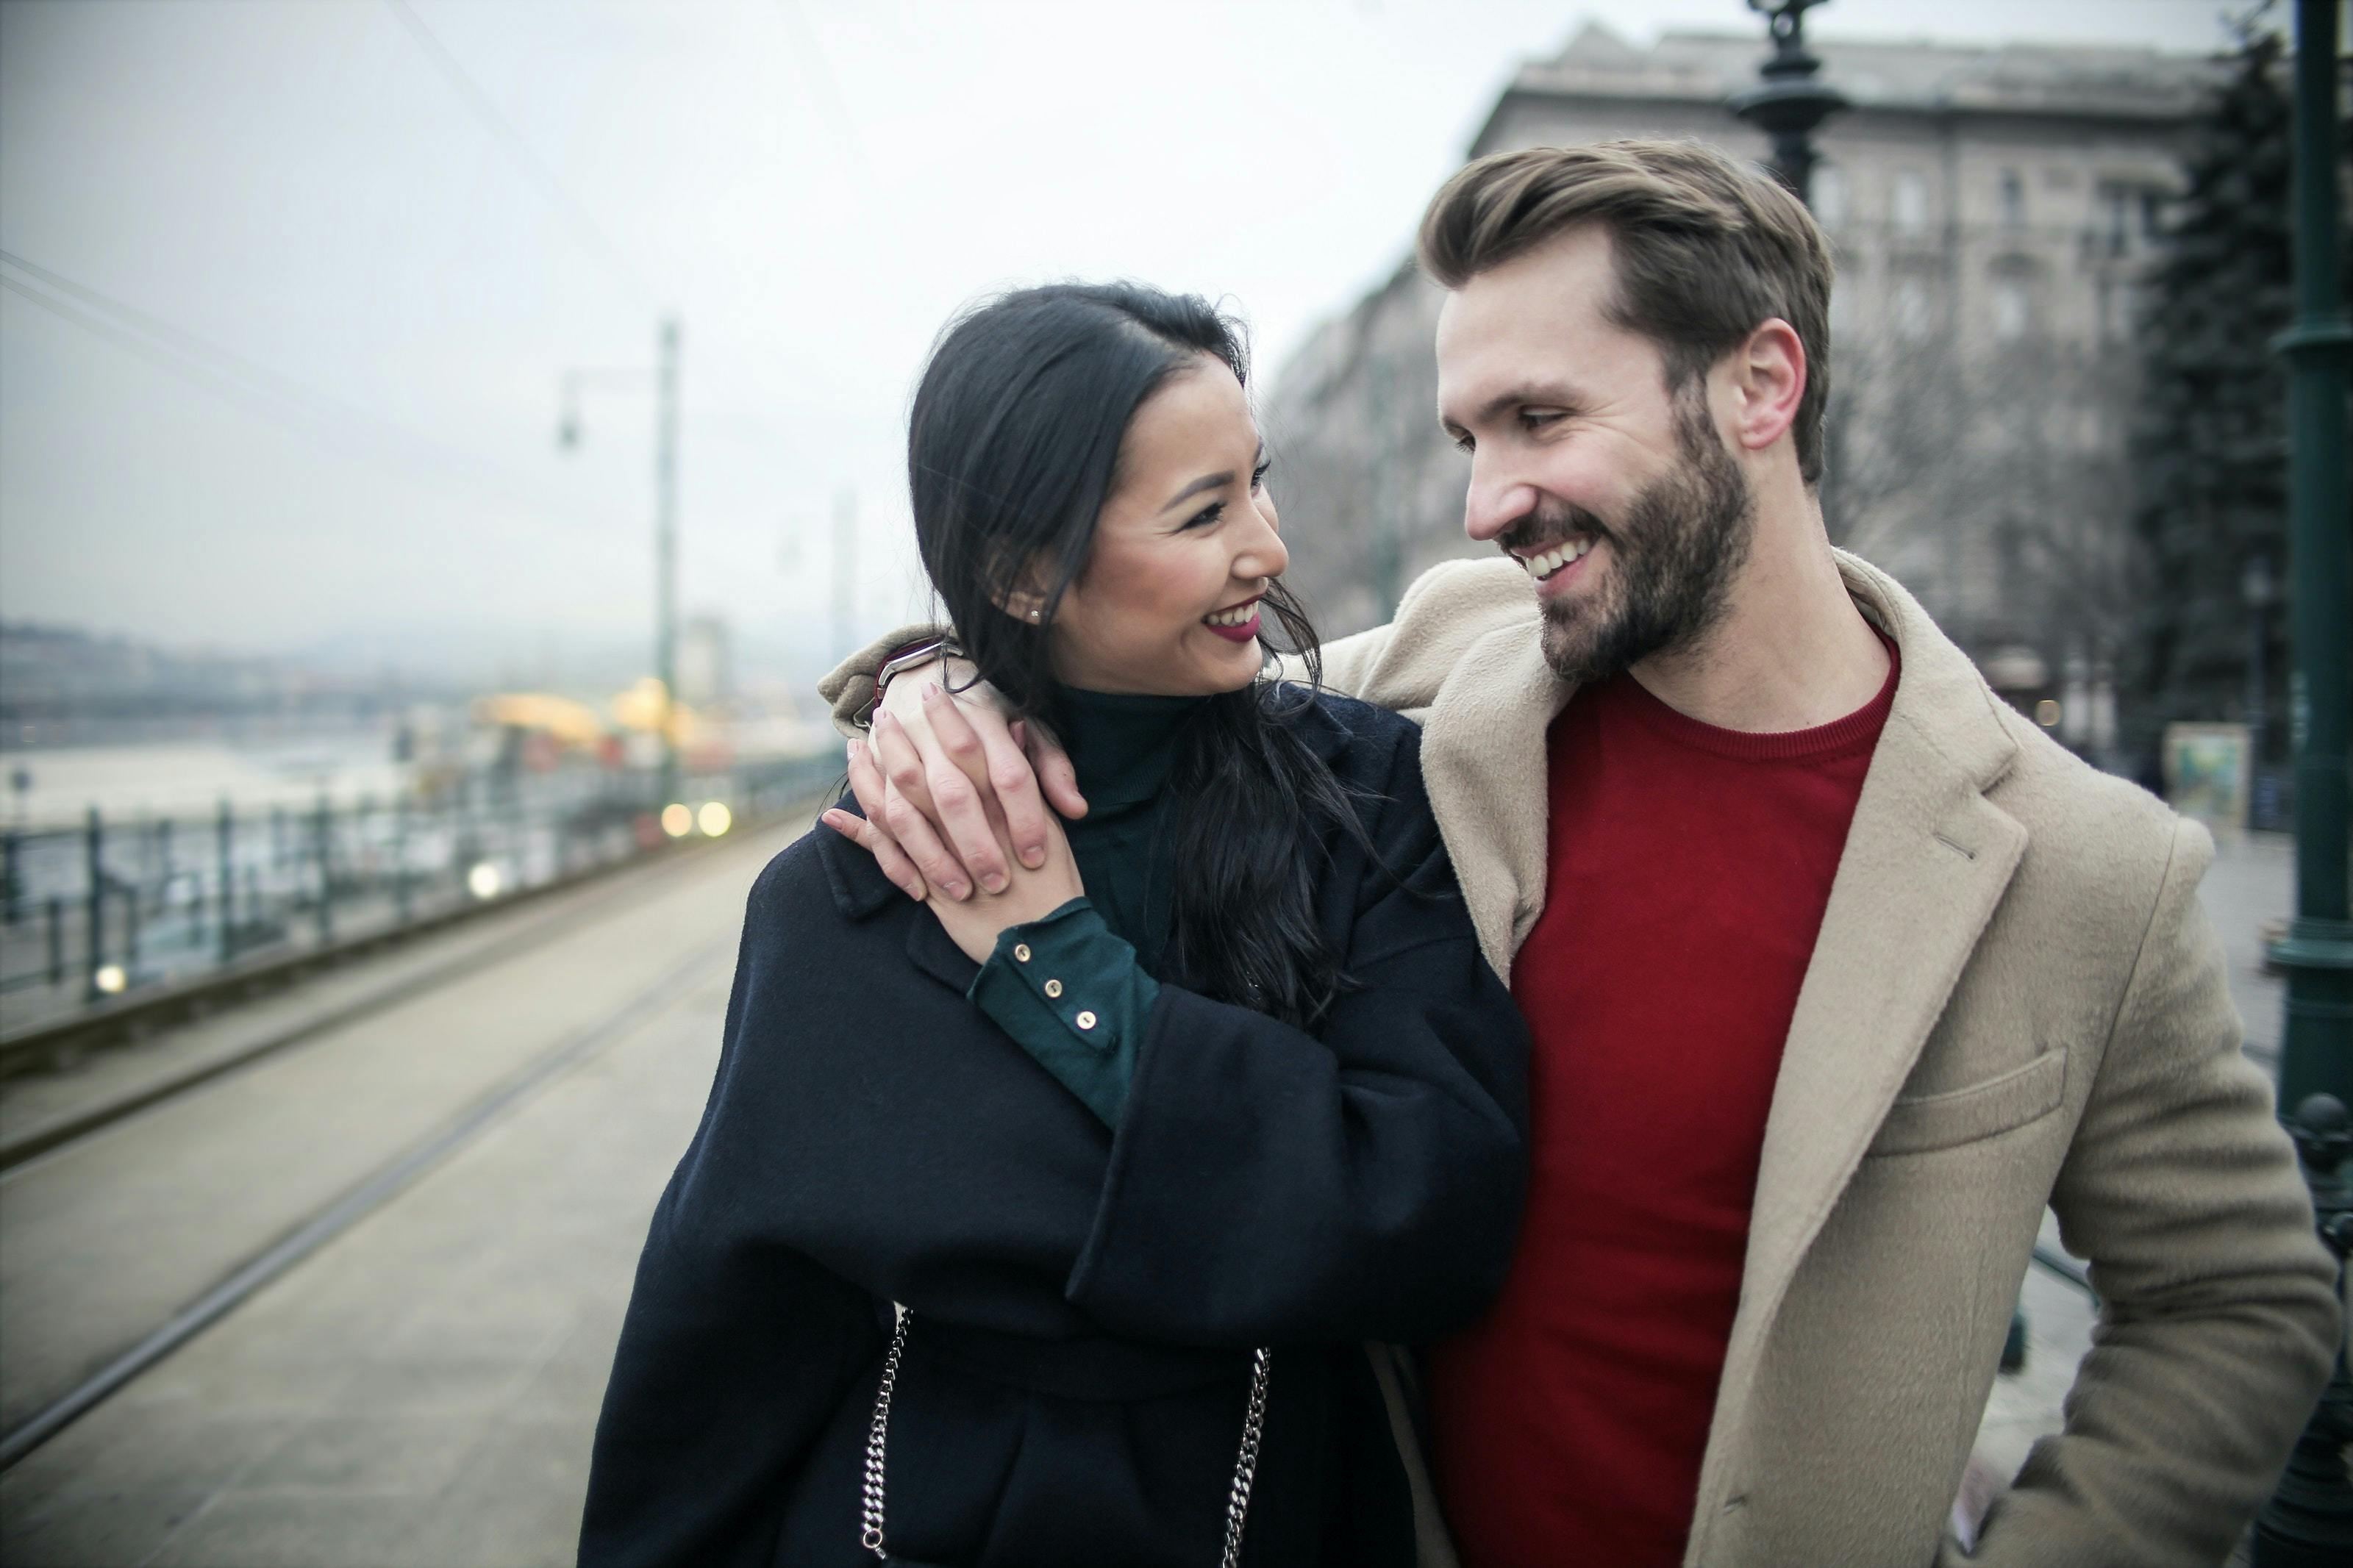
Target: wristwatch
{"type": "Point", "coordinates": [911, 657]}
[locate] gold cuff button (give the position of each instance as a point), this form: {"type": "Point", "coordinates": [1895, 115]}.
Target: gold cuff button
{"type": "Point", "coordinates": [1053, 988]}
{"type": "Point", "coordinates": [1020, 952]}
{"type": "Point", "coordinates": [1086, 1020]}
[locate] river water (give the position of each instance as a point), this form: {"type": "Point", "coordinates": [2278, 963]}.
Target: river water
{"type": "Point", "coordinates": [55, 787]}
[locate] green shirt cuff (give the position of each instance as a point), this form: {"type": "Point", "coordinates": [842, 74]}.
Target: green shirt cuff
{"type": "Point", "coordinates": [1072, 995]}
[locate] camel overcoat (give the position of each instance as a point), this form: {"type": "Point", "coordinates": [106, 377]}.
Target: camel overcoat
{"type": "Point", "coordinates": [2014, 1002]}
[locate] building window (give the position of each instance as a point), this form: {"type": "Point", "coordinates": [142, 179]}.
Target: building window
{"type": "Point", "coordinates": [2013, 199]}
{"type": "Point", "coordinates": [1830, 196]}
{"type": "Point", "coordinates": [1912, 309]}
{"type": "Point", "coordinates": [2128, 216]}
{"type": "Point", "coordinates": [1909, 208]}
{"type": "Point", "coordinates": [2011, 308]}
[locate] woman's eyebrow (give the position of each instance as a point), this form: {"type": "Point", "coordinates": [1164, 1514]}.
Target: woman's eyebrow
{"type": "Point", "coordinates": [1205, 482]}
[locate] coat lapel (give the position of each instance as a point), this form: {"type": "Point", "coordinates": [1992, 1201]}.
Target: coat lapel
{"type": "Point", "coordinates": [1927, 859]}
{"type": "Point", "coordinates": [1484, 763]}
{"type": "Point", "coordinates": [862, 890]}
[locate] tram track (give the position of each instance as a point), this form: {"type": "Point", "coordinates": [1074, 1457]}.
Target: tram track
{"type": "Point", "coordinates": [160, 1218]}
{"type": "Point", "coordinates": [332, 1219]}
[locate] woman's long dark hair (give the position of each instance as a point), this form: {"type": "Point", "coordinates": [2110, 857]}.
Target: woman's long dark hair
{"type": "Point", "coordinates": [1013, 448]}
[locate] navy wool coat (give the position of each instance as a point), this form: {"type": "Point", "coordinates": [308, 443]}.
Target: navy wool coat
{"type": "Point", "coordinates": [1084, 1300]}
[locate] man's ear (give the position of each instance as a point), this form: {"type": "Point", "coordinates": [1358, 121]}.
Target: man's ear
{"type": "Point", "coordinates": [1769, 371]}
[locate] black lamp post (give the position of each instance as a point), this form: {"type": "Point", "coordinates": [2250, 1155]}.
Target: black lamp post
{"type": "Point", "coordinates": [1793, 99]}
{"type": "Point", "coordinates": [2310, 1521]}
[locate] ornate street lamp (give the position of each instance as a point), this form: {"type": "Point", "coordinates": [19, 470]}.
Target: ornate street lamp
{"type": "Point", "coordinates": [1792, 101]}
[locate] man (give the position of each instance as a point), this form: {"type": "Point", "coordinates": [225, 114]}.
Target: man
{"type": "Point", "coordinates": [1838, 971]}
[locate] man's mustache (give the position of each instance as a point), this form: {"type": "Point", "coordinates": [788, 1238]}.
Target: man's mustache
{"type": "Point", "coordinates": [1544, 526]}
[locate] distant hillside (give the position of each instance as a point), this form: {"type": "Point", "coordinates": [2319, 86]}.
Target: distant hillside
{"type": "Point", "coordinates": [56, 675]}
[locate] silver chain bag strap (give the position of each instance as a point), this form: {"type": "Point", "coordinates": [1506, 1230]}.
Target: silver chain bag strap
{"type": "Point", "coordinates": [878, 1434]}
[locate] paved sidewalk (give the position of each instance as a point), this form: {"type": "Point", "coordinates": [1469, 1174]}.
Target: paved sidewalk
{"type": "Point", "coordinates": [422, 1392]}
{"type": "Point", "coordinates": [422, 1389]}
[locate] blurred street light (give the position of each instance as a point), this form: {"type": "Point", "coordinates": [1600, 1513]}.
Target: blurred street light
{"type": "Point", "coordinates": [714, 818]}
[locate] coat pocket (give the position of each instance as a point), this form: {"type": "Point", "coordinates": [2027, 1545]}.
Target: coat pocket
{"type": "Point", "coordinates": [1920, 1124]}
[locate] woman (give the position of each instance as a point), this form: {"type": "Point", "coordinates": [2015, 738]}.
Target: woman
{"type": "Point", "coordinates": [1042, 1229]}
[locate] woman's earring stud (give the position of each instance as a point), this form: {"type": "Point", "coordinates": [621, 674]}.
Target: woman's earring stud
{"type": "Point", "coordinates": [1035, 613]}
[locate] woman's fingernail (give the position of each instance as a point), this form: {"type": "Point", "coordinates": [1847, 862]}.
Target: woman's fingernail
{"type": "Point", "coordinates": [994, 882]}
{"type": "Point", "coordinates": [954, 889]}
{"type": "Point", "coordinates": [1034, 857]}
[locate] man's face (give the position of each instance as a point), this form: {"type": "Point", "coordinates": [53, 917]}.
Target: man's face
{"type": "Point", "coordinates": [1620, 497]}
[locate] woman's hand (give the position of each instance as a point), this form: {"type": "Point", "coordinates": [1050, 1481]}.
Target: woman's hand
{"type": "Point", "coordinates": [952, 783]}
{"type": "Point", "coordinates": [1014, 891]}
{"type": "Point", "coordinates": [978, 920]}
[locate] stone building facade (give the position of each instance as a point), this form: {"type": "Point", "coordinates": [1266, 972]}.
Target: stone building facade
{"type": "Point", "coordinates": [1991, 210]}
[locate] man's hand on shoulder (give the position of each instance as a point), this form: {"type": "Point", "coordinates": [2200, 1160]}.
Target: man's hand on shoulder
{"type": "Point", "coordinates": [954, 791]}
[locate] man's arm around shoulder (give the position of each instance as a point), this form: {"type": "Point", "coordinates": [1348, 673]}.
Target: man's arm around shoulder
{"type": "Point", "coordinates": [1400, 665]}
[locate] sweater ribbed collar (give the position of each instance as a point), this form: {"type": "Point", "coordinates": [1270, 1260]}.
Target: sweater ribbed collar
{"type": "Point", "coordinates": [1120, 745]}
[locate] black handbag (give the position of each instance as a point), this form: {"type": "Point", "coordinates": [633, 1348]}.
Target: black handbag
{"type": "Point", "coordinates": [870, 1534]}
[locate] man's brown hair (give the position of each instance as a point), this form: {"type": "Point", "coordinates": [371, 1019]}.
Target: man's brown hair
{"type": "Point", "coordinates": [1707, 249]}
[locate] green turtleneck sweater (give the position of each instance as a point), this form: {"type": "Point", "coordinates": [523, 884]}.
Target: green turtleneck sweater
{"type": "Point", "coordinates": [1075, 989]}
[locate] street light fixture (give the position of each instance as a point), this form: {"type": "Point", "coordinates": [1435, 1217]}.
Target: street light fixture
{"type": "Point", "coordinates": [664, 374]}
{"type": "Point", "coordinates": [1793, 99]}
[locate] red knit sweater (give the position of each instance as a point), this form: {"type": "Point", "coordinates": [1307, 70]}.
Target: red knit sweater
{"type": "Point", "coordinates": [1689, 868]}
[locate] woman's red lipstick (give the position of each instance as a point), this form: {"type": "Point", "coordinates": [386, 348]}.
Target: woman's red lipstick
{"type": "Point", "coordinates": [1245, 632]}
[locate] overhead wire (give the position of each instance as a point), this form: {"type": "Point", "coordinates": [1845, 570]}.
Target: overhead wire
{"type": "Point", "coordinates": [320, 416]}
{"type": "Point", "coordinates": [837, 108]}
{"type": "Point", "coordinates": [293, 404]}
{"type": "Point", "coordinates": [584, 226]}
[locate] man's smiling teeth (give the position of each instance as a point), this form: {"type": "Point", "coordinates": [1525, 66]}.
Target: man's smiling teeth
{"type": "Point", "coordinates": [1233, 617]}
{"type": "Point", "coordinates": [1543, 566]}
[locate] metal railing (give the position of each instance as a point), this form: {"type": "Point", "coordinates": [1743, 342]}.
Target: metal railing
{"type": "Point", "coordinates": [106, 910]}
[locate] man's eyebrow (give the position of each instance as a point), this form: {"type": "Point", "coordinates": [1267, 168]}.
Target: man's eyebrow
{"type": "Point", "coordinates": [1205, 482]}
{"type": "Point", "coordinates": [1546, 394]}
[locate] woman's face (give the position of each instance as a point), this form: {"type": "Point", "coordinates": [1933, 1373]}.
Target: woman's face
{"type": "Point", "coordinates": [1167, 601]}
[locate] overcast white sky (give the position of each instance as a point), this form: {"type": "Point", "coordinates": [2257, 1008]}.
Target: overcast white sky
{"type": "Point", "coordinates": [814, 185]}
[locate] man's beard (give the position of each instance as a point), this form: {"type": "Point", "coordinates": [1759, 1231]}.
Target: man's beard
{"type": "Point", "coordinates": [1673, 558]}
